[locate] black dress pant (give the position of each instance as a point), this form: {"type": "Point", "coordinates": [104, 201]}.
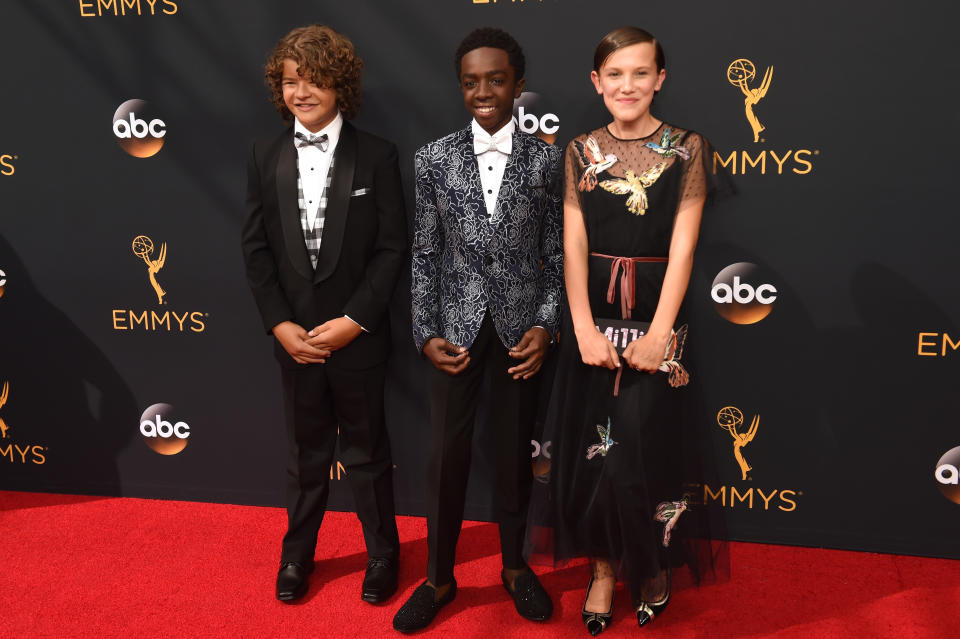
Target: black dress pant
{"type": "Point", "coordinates": [453, 408]}
{"type": "Point", "coordinates": [321, 402]}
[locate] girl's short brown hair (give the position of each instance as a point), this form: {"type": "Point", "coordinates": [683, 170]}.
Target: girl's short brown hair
{"type": "Point", "coordinates": [326, 58]}
{"type": "Point", "coordinates": [624, 37]}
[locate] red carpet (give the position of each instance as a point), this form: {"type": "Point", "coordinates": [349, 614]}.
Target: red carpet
{"type": "Point", "coordinates": [98, 567]}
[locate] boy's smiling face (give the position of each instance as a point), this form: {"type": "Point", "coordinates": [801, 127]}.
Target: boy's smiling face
{"type": "Point", "coordinates": [313, 105]}
{"type": "Point", "coordinates": [489, 85]}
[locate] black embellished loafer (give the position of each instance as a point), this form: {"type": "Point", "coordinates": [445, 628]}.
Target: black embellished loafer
{"type": "Point", "coordinates": [292, 580]}
{"type": "Point", "coordinates": [422, 607]}
{"type": "Point", "coordinates": [529, 597]}
{"type": "Point", "coordinates": [380, 580]}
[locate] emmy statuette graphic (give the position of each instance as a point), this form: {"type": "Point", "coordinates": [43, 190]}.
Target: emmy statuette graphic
{"type": "Point", "coordinates": [3, 400]}
{"type": "Point", "coordinates": [739, 74]}
{"type": "Point", "coordinates": [730, 419]}
{"type": "Point", "coordinates": [143, 248]}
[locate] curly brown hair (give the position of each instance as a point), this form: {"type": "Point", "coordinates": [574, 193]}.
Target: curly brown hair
{"type": "Point", "coordinates": [324, 56]}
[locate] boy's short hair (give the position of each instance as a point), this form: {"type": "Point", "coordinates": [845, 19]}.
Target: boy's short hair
{"type": "Point", "coordinates": [326, 58]}
{"type": "Point", "coordinates": [495, 39]}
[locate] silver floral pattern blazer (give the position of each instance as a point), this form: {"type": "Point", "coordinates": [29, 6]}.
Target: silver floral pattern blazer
{"type": "Point", "coordinates": [466, 262]}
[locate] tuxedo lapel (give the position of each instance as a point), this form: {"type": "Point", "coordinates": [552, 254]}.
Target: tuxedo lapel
{"type": "Point", "coordinates": [511, 176]}
{"type": "Point", "coordinates": [338, 202]}
{"type": "Point", "coordinates": [290, 209]}
{"type": "Point", "coordinates": [471, 175]}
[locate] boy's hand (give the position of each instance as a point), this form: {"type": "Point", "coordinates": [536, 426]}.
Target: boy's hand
{"type": "Point", "coordinates": [334, 334]}
{"type": "Point", "coordinates": [293, 338]}
{"type": "Point", "coordinates": [532, 349]}
{"type": "Point", "coordinates": [446, 357]}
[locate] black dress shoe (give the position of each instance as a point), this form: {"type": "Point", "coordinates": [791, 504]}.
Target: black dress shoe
{"type": "Point", "coordinates": [529, 597]}
{"type": "Point", "coordinates": [596, 622]}
{"type": "Point", "coordinates": [292, 580]}
{"type": "Point", "coordinates": [422, 607]}
{"type": "Point", "coordinates": [380, 580]}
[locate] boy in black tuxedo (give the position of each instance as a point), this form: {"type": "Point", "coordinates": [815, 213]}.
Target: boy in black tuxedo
{"type": "Point", "coordinates": [324, 237]}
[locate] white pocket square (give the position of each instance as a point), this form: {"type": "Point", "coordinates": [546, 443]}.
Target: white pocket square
{"type": "Point", "coordinates": [362, 191]}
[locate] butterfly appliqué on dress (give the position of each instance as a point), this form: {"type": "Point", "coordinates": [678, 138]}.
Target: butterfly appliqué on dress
{"type": "Point", "coordinates": [635, 186]}
{"type": "Point", "coordinates": [606, 442]}
{"type": "Point", "coordinates": [595, 161]}
{"type": "Point", "coordinates": [671, 359]}
{"type": "Point", "coordinates": [667, 147]}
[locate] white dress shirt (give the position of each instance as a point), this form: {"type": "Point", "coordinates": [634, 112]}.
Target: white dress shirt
{"type": "Point", "coordinates": [493, 162]}
{"type": "Point", "coordinates": [314, 164]}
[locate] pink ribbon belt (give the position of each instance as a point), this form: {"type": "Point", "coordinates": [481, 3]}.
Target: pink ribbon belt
{"type": "Point", "coordinates": [624, 266]}
{"type": "Point", "coordinates": [627, 283]}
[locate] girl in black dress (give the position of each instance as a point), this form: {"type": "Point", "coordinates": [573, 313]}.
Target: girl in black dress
{"type": "Point", "coordinates": [635, 192]}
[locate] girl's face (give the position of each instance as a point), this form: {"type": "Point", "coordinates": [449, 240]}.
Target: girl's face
{"type": "Point", "coordinates": [628, 80]}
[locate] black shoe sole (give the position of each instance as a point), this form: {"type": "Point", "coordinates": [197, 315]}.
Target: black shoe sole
{"type": "Point", "coordinates": [381, 597]}
{"type": "Point", "coordinates": [293, 596]}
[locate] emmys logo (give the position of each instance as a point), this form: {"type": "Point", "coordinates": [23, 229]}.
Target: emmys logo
{"type": "Point", "coordinates": [100, 8]}
{"type": "Point", "coordinates": [143, 248]}
{"type": "Point", "coordinates": [3, 282]}
{"type": "Point", "coordinates": [137, 132]}
{"type": "Point", "coordinates": [6, 164]}
{"type": "Point", "coordinates": [544, 127]}
{"type": "Point", "coordinates": [730, 419]}
{"type": "Point", "coordinates": [738, 301]}
{"type": "Point", "coordinates": [928, 344]}
{"type": "Point", "coordinates": [13, 452]}
{"type": "Point", "coordinates": [161, 432]}
{"type": "Point", "coordinates": [124, 319]}
{"type": "Point", "coordinates": [947, 474]}
{"type": "Point", "coordinates": [741, 73]}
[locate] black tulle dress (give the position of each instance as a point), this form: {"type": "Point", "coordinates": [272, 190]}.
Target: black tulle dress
{"type": "Point", "coordinates": [617, 446]}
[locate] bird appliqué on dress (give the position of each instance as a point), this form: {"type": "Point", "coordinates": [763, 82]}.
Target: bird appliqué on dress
{"type": "Point", "coordinates": [667, 147]}
{"type": "Point", "coordinates": [678, 375]}
{"type": "Point", "coordinates": [606, 442]}
{"type": "Point", "coordinates": [595, 161]}
{"type": "Point", "coordinates": [635, 186]}
{"type": "Point", "coordinates": [668, 512]}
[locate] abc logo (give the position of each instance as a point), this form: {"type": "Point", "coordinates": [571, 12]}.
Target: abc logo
{"type": "Point", "coordinates": [544, 127]}
{"type": "Point", "coordinates": [740, 294]}
{"type": "Point", "coordinates": [161, 432]}
{"type": "Point", "coordinates": [3, 282]}
{"type": "Point", "coordinates": [138, 132]}
{"type": "Point", "coordinates": [541, 460]}
{"type": "Point", "coordinates": [948, 474]}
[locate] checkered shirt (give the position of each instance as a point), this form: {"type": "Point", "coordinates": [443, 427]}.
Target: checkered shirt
{"type": "Point", "coordinates": [311, 236]}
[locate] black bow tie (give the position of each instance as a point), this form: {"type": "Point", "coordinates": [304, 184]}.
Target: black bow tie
{"type": "Point", "coordinates": [321, 141]}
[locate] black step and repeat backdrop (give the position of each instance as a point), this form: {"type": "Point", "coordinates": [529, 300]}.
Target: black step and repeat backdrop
{"type": "Point", "coordinates": [825, 308]}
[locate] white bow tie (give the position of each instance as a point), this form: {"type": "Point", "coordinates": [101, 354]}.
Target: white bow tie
{"type": "Point", "coordinates": [484, 142]}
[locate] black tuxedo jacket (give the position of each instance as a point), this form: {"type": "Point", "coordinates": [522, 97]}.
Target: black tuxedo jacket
{"type": "Point", "coordinates": [361, 250]}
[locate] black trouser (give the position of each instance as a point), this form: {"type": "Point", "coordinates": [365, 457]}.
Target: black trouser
{"type": "Point", "coordinates": [320, 402]}
{"type": "Point", "coordinates": [453, 407]}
